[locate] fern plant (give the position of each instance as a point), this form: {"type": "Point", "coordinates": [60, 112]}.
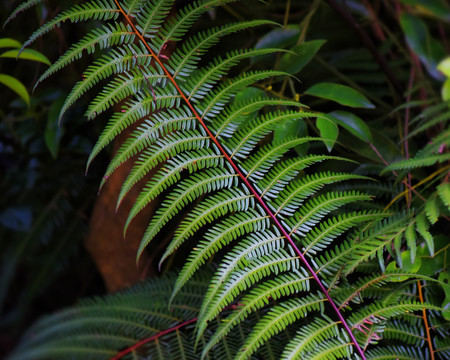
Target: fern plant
{"type": "Point", "coordinates": [297, 260]}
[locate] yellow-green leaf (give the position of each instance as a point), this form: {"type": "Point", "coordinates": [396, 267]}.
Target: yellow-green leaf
{"type": "Point", "coordinates": [9, 43]}
{"type": "Point", "coordinates": [27, 54]}
{"type": "Point", "coordinates": [16, 86]}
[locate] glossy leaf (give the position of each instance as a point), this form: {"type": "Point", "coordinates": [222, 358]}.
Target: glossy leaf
{"type": "Point", "coordinates": [16, 86]}
{"type": "Point", "coordinates": [353, 124]}
{"type": "Point", "coordinates": [27, 54]}
{"type": "Point", "coordinates": [341, 94]}
{"type": "Point", "coordinates": [300, 56]}
{"type": "Point", "coordinates": [328, 131]}
{"type": "Point", "coordinates": [9, 43]}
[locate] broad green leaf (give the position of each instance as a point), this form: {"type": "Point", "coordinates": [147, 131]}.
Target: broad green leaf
{"type": "Point", "coordinates": [444, 66]}
{"type": "Point", "coordinates": [300, 56]}
{"type": "Point", "coordinates": [445, 91]}
{"type": "Point", "coordinates": [27, 54]}
{"type": "Point", "coordinates": [353, 124]}
{"type": "Point", "coordinates": [429, 50]}
{"type": "Point", "coordinates": [54, 131]}
{"type": "Point", "coordinates": [341, 94]}
{"type": "Point", "coordinates": [328, 131]}
{"type": "Point", "coordinates": [9, 43]}
{"type": "Point", "coordinates": [407, 266]}
{"type": "Point", "coordinates": [435, 8]}
{"type": "Point", "coordinates": [297, 128]}
{"type": "Point", "coordinates": [16, 86]}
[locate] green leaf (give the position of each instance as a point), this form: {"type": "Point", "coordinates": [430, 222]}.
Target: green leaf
{"type": "Point", "coordinates": [445, 91]}
{"type": "Point", "coordinates": [296, 128]}
{"type": "Point", "coordinates": [328, 131]}
{"type": "Point", "coordinates": [27, 54]}
{"type": "Point", "coordinates": [444, 194]}
{"type": "Point", "coordinates": [54, 131]}
{"type": "Point", "coordinates": [353, 124]}
{"type": "Point", "coordinates": [407, 266]}
{"type": "Point", "coordinates": [16, 86]}
{"type": "Point", "coordinates": [8, 42]}
{"type": "Point", "coordinates": [300, 56]}
{"type": "Point", "coordinates": [432, 210]}
{"type": "Point", "coordinates": [445, 278]}
{"type": "Point", "coordinates": [341, 94]}
{"type": "Point", "coordinates": [422, 228]}
{"type": "Point", "coordinates": [444, 66]}
{"type": "Point", "coordinates": [429, 50]}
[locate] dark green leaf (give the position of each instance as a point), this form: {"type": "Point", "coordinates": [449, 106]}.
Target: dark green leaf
{"type": "Point", "coordinates": [353, 124]}
{"type": "Point", "coordinates": [328, 130]}
{"type": "Point", "coordinates": [342, 94]}
{"type": "Point", "coordinates": [301, 55]}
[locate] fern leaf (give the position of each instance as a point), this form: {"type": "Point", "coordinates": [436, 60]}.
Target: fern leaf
{"type": "Point", "coordinates": [444, 193]}
{"type": "Point", "coordinates": [278, 318]}
{"type": "Point", "coordinates": [284, 284]}
{"type": "Point", "coordinates": [422, 229]}
{"type": "Point", "coordinates": [95, 9]}
{"type": "Point", "coordinates": [105, 37]}
{"type": "Point", "coordinates": [22, 7]}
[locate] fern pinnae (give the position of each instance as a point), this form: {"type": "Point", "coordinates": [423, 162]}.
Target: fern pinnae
{"type": "Point", "coordinates": [183, 61]}
{"type": "Point", "coordinates": [150, 16]}
{"type": "Point", "coordinates": [171, 145]}
{"type": "Point", "coordinates": [105, 37]}
{"type": "Point", "coordinates": [284, 284]}
{"type": "Point", "coordinates": [20, 8]}
{"type": "Point", "coordinates": [256, 244]}
{"type": "Point", "coordinates": [115, 62]}
{"type": "Point", "coordinates": [95, 9]}
{"type": "Point", "coordinates": [239, 280]}
{"type": "Point", "coordinates": [175, 28]}
{"type": "Point", "coordinates": [147, 134]}
{"type": "Point", "coordinates": [317, 208]}
{"type": "Point", "coordinates": [235, 113]}
{"type": "Point", "coordinates": [200, 183]}
{"type": "Point", "coordinates": [277, 319]}
{"type": "Point", "coordinates": [309, 336]}
{"type": "Point", "coordinates": [321, 236]}
{"type": "Point", "coordinates": [217, 237]}
{"type": "Point", "coordinates": [206, 212]}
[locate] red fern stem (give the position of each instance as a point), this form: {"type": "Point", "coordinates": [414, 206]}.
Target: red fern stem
{"type": "Point", "coordinates": [249, 186]}
{"type": "Point", "coordinates": [154, 337]}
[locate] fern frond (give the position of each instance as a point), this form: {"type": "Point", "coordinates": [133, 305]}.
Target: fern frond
{"type": "Point", "coordinates": [283, 285]}
{"type": "Point", "coordinates": [396, 353]}
{"type": "Point", "coordinates": [20, 8]}
{"type": "Point", "coordinates": [94, 9]}
{"type": "Point", "coordinates": [195, 186]}
{"type": "Point", "coordinates": [277, 319]}
{"type": "Point", "coordinates": [105, 37]}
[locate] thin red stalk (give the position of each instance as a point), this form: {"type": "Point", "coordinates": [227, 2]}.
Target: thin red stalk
{"type": "Point", "coordinates": [250, 187]}
{"type": "Point", "coordinates": [154, 337]}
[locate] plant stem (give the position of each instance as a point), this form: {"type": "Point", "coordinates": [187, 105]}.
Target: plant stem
{"type": "Point", "coordinates": [425, 320]}
{"type": "Point", "coordinates": [152, 338]}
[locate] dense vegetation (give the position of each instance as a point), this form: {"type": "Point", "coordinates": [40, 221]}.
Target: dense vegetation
{"type": "Point", "coordinates": [280, 172]}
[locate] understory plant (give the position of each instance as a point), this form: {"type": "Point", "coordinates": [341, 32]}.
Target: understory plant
{"type": "Point", "coordinates": [298, 228]}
